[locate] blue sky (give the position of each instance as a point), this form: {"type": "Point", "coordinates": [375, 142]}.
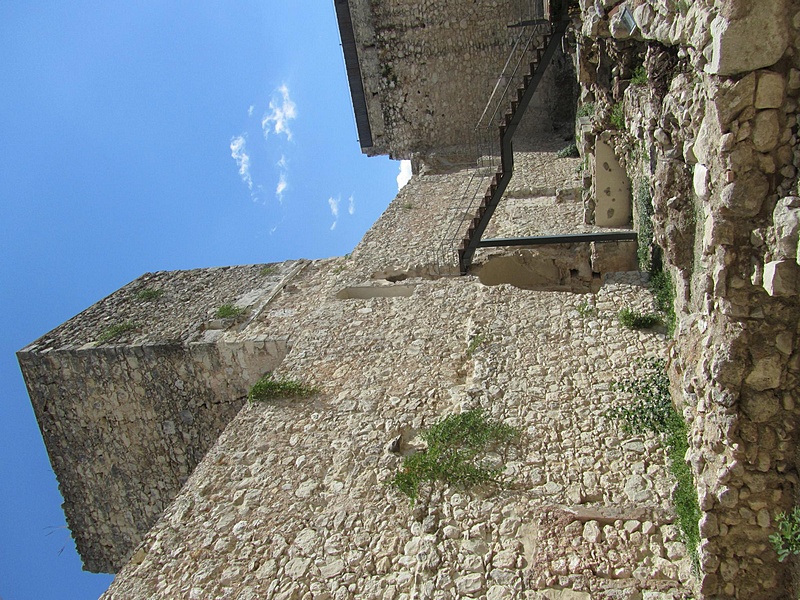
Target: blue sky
{"type": "Point", "coordinates": [144, 136]}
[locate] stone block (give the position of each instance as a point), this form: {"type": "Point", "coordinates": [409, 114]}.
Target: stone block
{"type": "Point", "coordinates": [745, 196]}
{"type": "Point", "coordinates": [766, 130]}
{"type": "Point", "coordinates": [770, 91]}
{"type": "Point", "coordinates": [700, 180]}
{"type": "Point", "coordinates": [752, 42]}
{"type": "Point", "coordinates": [786, 226]}
{"type": "Point", "coordinates": [780, 278]}
{"type": "Point", "coordinates": [614, 257]}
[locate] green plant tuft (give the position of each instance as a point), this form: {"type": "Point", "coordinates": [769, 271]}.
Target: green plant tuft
{"type": "Point", "coordinates": [633, 319]}
{"type": "Point", "coordinates": [455, 455]}
{"type": "Point", "coordinates": [786, 540]}
{"type": "Point", "coordinates": [268, 270]}
{"type": "Point", "coordinates": [586, 110]}
{"type": "Point", "coordinates": [149, 294]}
{"type": "Point", "coordinates": [584, 309]}
{"type": "Point", "coordinates": [229, 311]}
{"type": "Point", "coordinates": [570, 151]}
{"type": "Point", "coordinates": [651, 409]}
{"type": "Point", "coordinates": [639, 76]}
{"type": "Point", "coordinates": [664, 295]}
{"type": "Point", "coordinates": [644, 214]}
{"type": "Point", "coordinates": [270, 387]}
{"type": "Point", "coordinates": [618, 116]}
{"type": "Point", "coordinates": [474, 343]}
{"type": "Point", "coordinates": [116, 330]}
{"type": "Point", "coordinates": [682, 6]}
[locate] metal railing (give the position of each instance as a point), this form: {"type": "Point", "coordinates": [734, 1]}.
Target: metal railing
{"type": "Point", "coordinates": [488, 136]}
{"type": "Point", "coordinates": [525, 11]}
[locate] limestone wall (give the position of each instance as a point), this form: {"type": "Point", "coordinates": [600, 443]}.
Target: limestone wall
{"type": "Point", "coordinates": [428, 70]}
{"type": "Point", "coordinates": [712, 133]}
{"type": "Point", "coordinates": [126, 421]}
{"type": "Point", "coordinates": [291, 501]}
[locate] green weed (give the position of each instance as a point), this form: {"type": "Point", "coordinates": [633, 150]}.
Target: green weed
{"type": "Point", "coordinates": [651, 409]}
{"type": "Point", "coordinates": [229, 311]}
{"type": "Point", "coordinates": [268, 270]}
{"type": "Point", "coordinates": [114, 331]}
{"type": "Point", "coordinates": [682, 6]}
{"type": "Point", "coordinates": [474, 343]}
{"type": "Point", "coordinates": [786, 541]}
{"type": "Point", "coordinates": [584, 309]}
{"type": "Point", "coordinates": [639, 76]}
{"type": "Point", "coordinates": [664, 296]}
{"type": "Point", "coordinates": [618, 116]}
{"type": "Point", "coordinates": [586, 110]}
{"type": "Point", "coordinates": [644, 213]}
{"type": "Point", "coordinates": [455, 455]}
{"type": "Point", "coordinates": [269, 388]}
{"type": "Point", "coordinates": [633, 319]}
{"type": "Point", "coordinates": [570, 151]}
{"type": "Point", "coordinates": [147, 294]}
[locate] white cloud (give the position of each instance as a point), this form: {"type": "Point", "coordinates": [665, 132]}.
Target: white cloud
{"type": "Point", "coordinates": [283, 178]}
{"type": "Point", "coordinates": [250, 110]}
{"type": "Point", "coordinates": [239, 154]}
{"type": "Point", "coordinates": [404, 175]}
{"type": "Point", "coordinates": [281, 112]}
{"type": "Point", "coordinates": [333, 203]}
{"type": "Point", "coordinates": [351, 206]}
{"type": "Point", "coordinates": [281, 187]}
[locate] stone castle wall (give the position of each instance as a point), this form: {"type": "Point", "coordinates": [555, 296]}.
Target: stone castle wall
{"type": "Point", "coordinates": [712, 135]}
{"type": "Point", "coordinates": [291, 502]}
{"type": "Point", "coordinates": [127, 420]}
{"type": "Point", "coordinates": [428, 70]}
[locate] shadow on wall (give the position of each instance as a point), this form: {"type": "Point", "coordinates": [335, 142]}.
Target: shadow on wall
{"type": "Point", "coordinates": [364, 292]}
{"type": "Point", "coordinates": [578, 268]}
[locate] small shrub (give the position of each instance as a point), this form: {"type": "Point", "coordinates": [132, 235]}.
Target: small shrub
{"type": "Point", "coordinates": [270, 387]}
{"type": "Point", "coordinates": [114, 331]}
{"type": "Point", "coordinates": [570, 151]}
{"type": "Point", "coordinates": [584, 309]}
{"type": "Point", "coordinates": [475, 343]}
{"type": "Point", "coordinates": [586, 110]}
{"type": "Point", "coordinates": [633, 319]}
{"type": "Point", "coordinates": [147, 294]}
{"type": "Point", "coordinates": [639, 76]}
{"type": "Point", "coordinates": [229, 311]}
{"type": "Point", "coordinates": [644, 214]}
{"type": "Point", "coordinates": [682, 6]}
{"type": "Point", "coordinates": [664, 295]}
{"type": "Point", "coordinates": [268, 270]}
{"type": "Point", "coordinates": [456, 446]}
{"type": "Point", "coordinates": [651, 409]}
{"type": "Point", "coordinates": [618, 116]}
{"type": "Point", "coordinates": [786, 540]}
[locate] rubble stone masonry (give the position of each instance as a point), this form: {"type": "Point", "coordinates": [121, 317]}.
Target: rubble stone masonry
{"type": "Point", "coordinates": [161, 460]}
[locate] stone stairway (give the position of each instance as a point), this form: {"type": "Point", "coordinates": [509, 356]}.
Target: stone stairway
{"type": "Point", "coordinates": [540, 56]}
{"type": "Point", "coordinates": [532, 52]}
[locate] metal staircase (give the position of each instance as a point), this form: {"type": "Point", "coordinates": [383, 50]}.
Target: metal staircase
{"type": "Point", "coordinates": [533, 50]}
